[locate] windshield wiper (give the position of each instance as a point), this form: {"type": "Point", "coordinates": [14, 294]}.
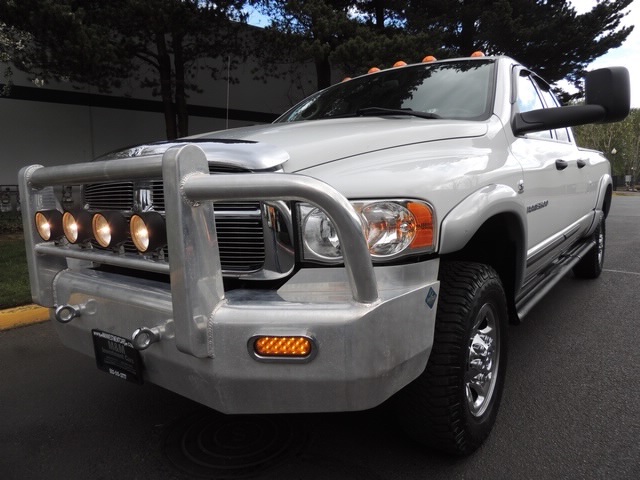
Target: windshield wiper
{"type": "Point", "coordinates": [363, 112]}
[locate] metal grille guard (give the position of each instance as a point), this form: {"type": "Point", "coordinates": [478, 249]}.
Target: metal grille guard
{"type": "Point", "coordinates": [196, 285]}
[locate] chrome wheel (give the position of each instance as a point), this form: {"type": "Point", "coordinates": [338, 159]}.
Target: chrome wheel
{"type": "Point", "coordinates": [600, 247]}
{"type": "Point", "coordinates": [483, 360]}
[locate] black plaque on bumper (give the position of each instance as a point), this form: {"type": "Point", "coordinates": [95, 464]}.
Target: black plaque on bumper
{"type": "Point", "coordinates": [116, 356]}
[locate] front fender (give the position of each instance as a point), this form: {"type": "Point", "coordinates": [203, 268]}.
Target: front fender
{"type": "Point", "coordinates": [467, 217]}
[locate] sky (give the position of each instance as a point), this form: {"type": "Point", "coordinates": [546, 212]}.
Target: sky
{"type": "Point", "coordinates": [627, 54]}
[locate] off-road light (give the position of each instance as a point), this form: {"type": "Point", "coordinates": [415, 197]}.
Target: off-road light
{"type": "Point", "coordinates": [283, 347]}
{"type": "Point", "coordinates": [77, 226]}
{"type": "Point", "coordinates": [109, 228]}
{"type": "Point", "coordinates": [49, 224]}
{"type": "Point", "coordinates": [148, 231]}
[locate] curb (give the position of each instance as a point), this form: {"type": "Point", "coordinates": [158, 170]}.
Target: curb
{"type": "Point", "coordinates": [21, 316]}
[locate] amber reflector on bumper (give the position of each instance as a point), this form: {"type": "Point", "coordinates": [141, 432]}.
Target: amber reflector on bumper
{"type": "Point", "coordinates": [282, 346]}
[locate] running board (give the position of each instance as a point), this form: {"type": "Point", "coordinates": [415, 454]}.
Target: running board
{"type": "Point", "coordinates": [550, 278]}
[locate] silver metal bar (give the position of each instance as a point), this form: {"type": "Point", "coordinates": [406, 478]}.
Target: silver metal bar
{"type": "Point", "coordinates": [196, 273]}
{"type": "Point", "coordinates": [281, 186]}
{"type": "Point", "coordinates": [103, 257]}
{"type": "Point", "coordinates": [42, 269]}
{"type": "Point", "coordinates": [112, 170]}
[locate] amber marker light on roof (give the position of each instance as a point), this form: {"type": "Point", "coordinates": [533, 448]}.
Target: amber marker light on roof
{"type": "Point", "coordinates": [429, 59]}
{"type": "Point", "coordinates": [282, 347]}
{"type": "Point", "coordinates": [477, 53]}
{"type": "Point", "coordinates": [400, 63]}
{"type": "Point", "coordinates": [373, 70]}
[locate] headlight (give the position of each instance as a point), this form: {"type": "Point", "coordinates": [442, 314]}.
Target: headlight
{"type": "Point", "coordinates": [392, 228]}
{"type": "Point", "coordinates": [319, 235]}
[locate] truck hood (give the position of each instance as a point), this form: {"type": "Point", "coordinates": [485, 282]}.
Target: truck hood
{"type": "Point", "coordinates": [314, 143]}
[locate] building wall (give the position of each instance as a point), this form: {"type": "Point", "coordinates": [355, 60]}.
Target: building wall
{"type": "Point", "coordinates": [62, 123]}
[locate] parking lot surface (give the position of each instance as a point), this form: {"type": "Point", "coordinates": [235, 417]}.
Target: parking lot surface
{"type": "Point", "coordinates": [569, 410]}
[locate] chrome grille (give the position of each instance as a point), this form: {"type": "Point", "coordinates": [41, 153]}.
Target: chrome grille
{"type": "Point", "coordinates": [238, 224]}
{"type": "Point", "coordinates": [109, 196]}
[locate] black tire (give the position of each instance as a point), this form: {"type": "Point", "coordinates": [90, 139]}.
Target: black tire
{"type": "Point", "coordinates": [442, 408]}
{"type": "Point", "coordinates": [591, 265]}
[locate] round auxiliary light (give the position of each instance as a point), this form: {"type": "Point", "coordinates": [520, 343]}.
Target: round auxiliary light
{"type": "Point", "coordinates": [148, 231]}
{"type": "Point", "coordinates": [49, 224]}
{"type": "Point", "coordinates": [77, 226]}
{"type": "Point", "coordinates": [109, 228]}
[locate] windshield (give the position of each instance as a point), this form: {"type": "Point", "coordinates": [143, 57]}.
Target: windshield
{"type": "Point", "coordinates": [456, 89]}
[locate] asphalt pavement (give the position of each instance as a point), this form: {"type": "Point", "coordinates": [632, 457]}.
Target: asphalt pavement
{"type": "Point", "coordinates": [569, 410]}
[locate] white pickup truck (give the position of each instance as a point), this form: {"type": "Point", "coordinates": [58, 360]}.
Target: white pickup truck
{"type": "Point", "coordinates": [371, 244]}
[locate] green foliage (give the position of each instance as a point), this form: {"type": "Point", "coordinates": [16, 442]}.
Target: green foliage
{"type": "Point", "coordinates": [12, 40]}
{"type": "Point", "coordinates": [619, 141]}
{"type": "Point", "coordinates": [10, 222]}
{"type": "Point", "coordinates": [547, 36]}
{"type": "Point", "coordinates": [14, 281]}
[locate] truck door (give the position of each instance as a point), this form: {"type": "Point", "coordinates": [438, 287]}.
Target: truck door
{"type": "Point", "coordinates": [554, 184]}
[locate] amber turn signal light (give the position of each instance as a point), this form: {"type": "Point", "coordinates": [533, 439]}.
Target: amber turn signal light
{"type": "Point", "coordinates": [288, 347]}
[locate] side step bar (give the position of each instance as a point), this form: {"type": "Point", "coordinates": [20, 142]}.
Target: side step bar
{"type": "Point", "coordinates": [547, 280]}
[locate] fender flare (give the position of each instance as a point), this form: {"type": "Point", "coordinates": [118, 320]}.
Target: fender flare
{"type": "Point", "coordinates": [463, 221]}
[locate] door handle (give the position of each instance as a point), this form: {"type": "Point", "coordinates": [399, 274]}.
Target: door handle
{"type": "Point", "coordinates": [561, 164]}
{"type": "Point", "coordinates": [581, 163]}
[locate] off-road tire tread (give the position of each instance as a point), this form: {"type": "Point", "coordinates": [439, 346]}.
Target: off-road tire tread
{"type": "Point", "coordinates": [430, 408]}
{"type": "Point", "coordinates": [589, 266]}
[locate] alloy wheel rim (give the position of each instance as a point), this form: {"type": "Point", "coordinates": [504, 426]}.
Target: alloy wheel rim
{"type": "Point", "coordinates": [482, 360]}
{"type": "Point", "coordinates": [600, 247]}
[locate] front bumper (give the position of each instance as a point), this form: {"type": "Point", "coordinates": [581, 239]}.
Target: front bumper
{"type": "Point", "coordinates": [365, 353]}
{"type": "Point", "coordinates": [372, 328]}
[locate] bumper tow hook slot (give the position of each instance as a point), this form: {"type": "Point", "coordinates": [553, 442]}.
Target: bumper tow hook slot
{"type": "Point", "coordinates": [66, 313]}
{"type": "Point", "coordinates": [143, 337]}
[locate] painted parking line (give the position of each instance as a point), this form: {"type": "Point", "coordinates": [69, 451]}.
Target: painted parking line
{"type": "Point", "coordinates": [24, 315]}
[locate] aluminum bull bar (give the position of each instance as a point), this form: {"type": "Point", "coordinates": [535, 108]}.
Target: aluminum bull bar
{"type": "Point", "coordinates": [194, 260]}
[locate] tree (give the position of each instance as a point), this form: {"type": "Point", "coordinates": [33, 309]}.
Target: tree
{"type": "Point", "coordinates": [351, 35]}
{"type": "Point", "coordinates": [161, 43]}
{"type": "Point", "coordinates": [620, 142]}
{"type": "Point", "coordinates": [546, 35]}
{"type": "Point", "coordinates": [306, 30]}
{"type": "Point", "coordinates": [11, 41]}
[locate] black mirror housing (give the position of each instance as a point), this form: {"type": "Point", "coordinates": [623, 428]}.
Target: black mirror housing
{"type": "Point", "coordinates": [609, 87]}
{"type": "Point", "coordinates": [608, 94]}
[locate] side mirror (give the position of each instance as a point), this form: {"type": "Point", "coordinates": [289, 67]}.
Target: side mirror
{"type": "Point", "coordinates": [608, 94]}
{"type": "Point", "coordinates": [609, 88]}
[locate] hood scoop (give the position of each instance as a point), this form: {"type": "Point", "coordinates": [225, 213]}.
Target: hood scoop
{"type": "Point", "coordinates": [238, 154]}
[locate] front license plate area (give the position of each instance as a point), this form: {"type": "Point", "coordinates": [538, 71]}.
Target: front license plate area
{"type": "Point", "coordinates": [116, 356]}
